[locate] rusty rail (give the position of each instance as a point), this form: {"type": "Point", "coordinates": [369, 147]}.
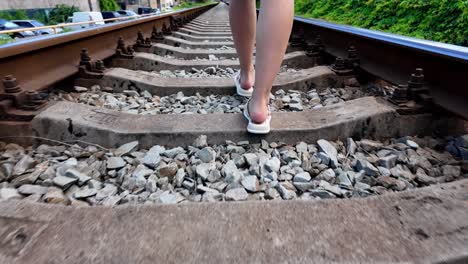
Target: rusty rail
{"type": "Point", "coordinates": [432, 71]}
{"type": "Point", "coordinates": [39, 63]}
{"type": "Point", "coordinates": [30, 66]}
{"type": "Point", "coordinates": [54, 27]}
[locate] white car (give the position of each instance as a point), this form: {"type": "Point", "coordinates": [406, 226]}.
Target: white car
{"type": "Point", "coordinates": [86, 17]}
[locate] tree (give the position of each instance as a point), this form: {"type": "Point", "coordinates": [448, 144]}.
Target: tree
{"type": "Point", "coordinates": [14, 15]}
{"type": "Point", "coordinates": [60, 13]}
{"type": "Point", "coordinates": [41, 16]}
{"type": "Point", "coordinates": [109, 5]}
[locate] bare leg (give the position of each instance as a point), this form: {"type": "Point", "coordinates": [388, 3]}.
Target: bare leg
{"type": "Point", "coordinates": [273, 30]}
{"type": "Point", "coordinates": [242, 15]}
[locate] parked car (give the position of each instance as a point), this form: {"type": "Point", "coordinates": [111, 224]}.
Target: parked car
{"type": "Point", "coordinates": [33, 24]}
{"type": "Point", "coordinates": [145, 10]}
{"type": "Point", "coordinates": [109, 14]}
{"type": "Point", "coordinates": [85, 17]}
{"type": "Point", "coordinates": [127, 13]}
{"type": "Point", "coordinates": [7, 25]}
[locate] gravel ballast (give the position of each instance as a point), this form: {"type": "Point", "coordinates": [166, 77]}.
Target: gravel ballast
{"type": "Point", "coordinates": [145, 103]}
{"type": "Point", "coordinates": [92, 176]}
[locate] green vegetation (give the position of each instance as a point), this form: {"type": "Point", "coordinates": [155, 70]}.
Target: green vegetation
{"type": "Point", "coordinates": [109, 5]}
{"type": "Point", "coordinates": [14, 15]}
{"type": "Point", "coordinates": [60, 14]}
{"type": "Point", "coordinates": [4, 39]}
{"type": "Point", "coordinates": [66, 30]}
{"type": "Point", "coordinates": [41, 16]}
{"type": "Point", "coordinates": [57, 15]}
{"type": "Point", "coordinates": [438, 20]}
{"type": "Point", "coordinates": [192, 4]}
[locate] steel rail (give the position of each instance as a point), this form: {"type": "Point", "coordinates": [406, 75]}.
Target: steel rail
{"type": "Point", "coordinates": [74, 24]}
{"type": "Point", "coordinates": [54, 27]}
{"type": "Point", "coordinates": [39, 63]}
{"type": "Point", "coordinates": [394, 58]}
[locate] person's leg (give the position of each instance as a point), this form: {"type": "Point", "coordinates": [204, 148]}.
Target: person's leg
{"type": "Point", "coordinates": [273, 30]}
{"type": "Point", "coordinates": [243, 17]}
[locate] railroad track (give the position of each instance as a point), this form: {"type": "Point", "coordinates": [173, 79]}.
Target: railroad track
{"type": "Point", "coordinates": [117, 119]}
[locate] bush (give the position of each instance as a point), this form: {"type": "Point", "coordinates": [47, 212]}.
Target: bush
{"type": "Point", "coordinates": [60, 13]}
{"type": "Point", "coordinates": [37, 14]}
{"type": "Point", "coordinates": [20, 15]}
{"type": "Point", "coordinates": [41, 16]}
{"type": "Point", "coordinates": [14, 15]}
{"type": "Point", "coordinates": [438, 20]}
{"type": "Point", "coordinates": [109, 5]}
{"type": "Point", "coordinates": [4, 39]}
{"type": "Point", "coordinates": [6, 15]}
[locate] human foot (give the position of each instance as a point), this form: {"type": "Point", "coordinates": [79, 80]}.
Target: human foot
{"type": "Point", "coordinates": [244, 82]}
{"type": "Point", "coordinates": [259, 121]}
{"type": "Point", "coordinates": [258, 110]}
{"type": "Point", "coordinates": [247, 79]}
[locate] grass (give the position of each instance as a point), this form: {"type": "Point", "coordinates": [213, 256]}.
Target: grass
{"type": "Point", "coordinates": [66, 30]}
{"type": "Point", "coordinates": [185, 5]}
